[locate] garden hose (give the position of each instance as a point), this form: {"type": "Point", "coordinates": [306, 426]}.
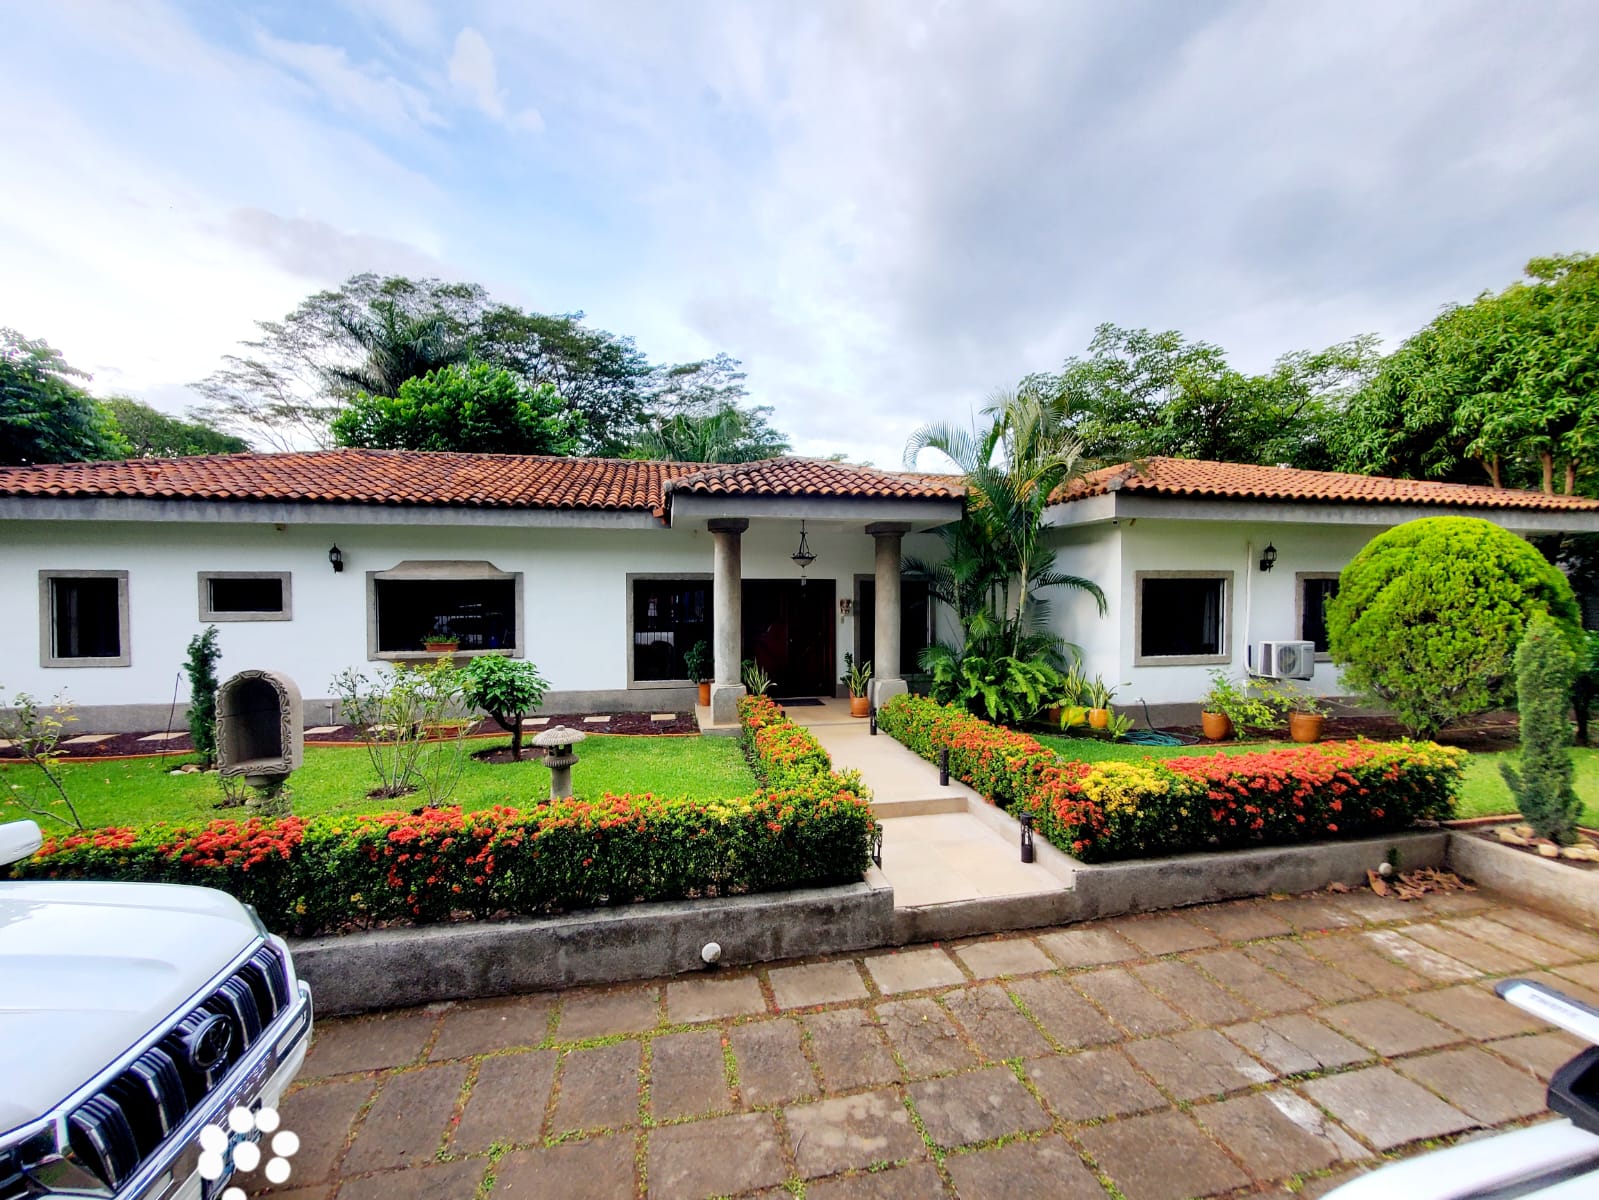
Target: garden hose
{"type": "Point", "coordinates": [1156, 737]}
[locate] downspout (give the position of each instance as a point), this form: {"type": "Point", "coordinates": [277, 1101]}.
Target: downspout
{"type": "Point", "coordinates": [1249, 600]}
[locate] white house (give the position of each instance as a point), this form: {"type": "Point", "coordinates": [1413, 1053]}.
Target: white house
{"type": "Point", "coordinates": [604, 572]}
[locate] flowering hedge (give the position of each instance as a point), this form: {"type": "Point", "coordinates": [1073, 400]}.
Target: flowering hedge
{"type": "Point", "coordinates": [806, 828]}
{"type": "Point", "coordinates": [1109, 810]}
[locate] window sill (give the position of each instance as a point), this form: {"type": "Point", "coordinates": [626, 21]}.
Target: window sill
{"type": "Point", "coordinates": [1184, 660]}
{"type": "Point", "coordinates": [645, 685]}
{"type": "Point", "coordinates": [424, 656]}
{"type": "Point", "coordinates": [222, 618]}
{"type": "Point", "coordinates": [53, 664]}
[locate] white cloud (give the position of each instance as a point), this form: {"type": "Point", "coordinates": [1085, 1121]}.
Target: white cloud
{"type": "Point", "coordinates": [472, 69]}
{"type": "Point", "coordinates": [366, 90]}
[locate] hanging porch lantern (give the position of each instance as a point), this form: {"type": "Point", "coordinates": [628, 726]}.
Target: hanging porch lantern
{"type": "Point", "coordinates": [804, 556]}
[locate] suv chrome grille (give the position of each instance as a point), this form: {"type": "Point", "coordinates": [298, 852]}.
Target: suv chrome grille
{"type": "Point", "coordinates": [128, 1118]}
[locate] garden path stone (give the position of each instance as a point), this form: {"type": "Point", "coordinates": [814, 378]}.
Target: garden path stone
{"type": "Point", "coordinates": [851, 1132]}
{"type": "Point", "coordinates": [1424, 960]}
{"type": "Point", "coordinates": [1294, 1043]}
{"type": "Point", "coordinates": [688, 1077]}
{"type": "Point", "coordinates": [1162, 934]}
{"type": "Point", "coordinates": [1483, 957]}
{"type": "Point", "coordinates": [1088, 947]}
{"type": "Point", "coordinates": [816, 983]}
{"type": "Point", "coordinates": [850, 1050]}
{"type": "Point", "coordinates": [1197, 1063]}
{"type": "Point", "coordinates": [711, 999]}
{"type": "Point", "coordinates": [1541, 1053]}
{"type": "Point", "coordinates": [369, 1043]}
{"type": "Point", "coordinates": [1388, 1027]}
{"type": "Point", "coordinates": [425, 1182]}
{"type": "Point", "coordinates": [1478, 1084]}
{"type": "Point", "coordinates": [1092, 1085]}
{"type": "Point", "coordinates": [1559, 933]}
{"type": "Point", "coordinates": [599, 1168]}
{"type": "Point", "coordinates": [587, 1015]}
{"type": "Point", "coordinates": [992, 1020]}
{"type": "Point", "coordinates": [406, 1125]}
{"type": "Point", "coordinates": [485, 1026]}
{"type": "Point", "coordinates": [1012, 956]}
{"type": "Point", "coordinates": [913, 1181]}
{"type": "Point", "coordinates": [1163, 1156]}
{"type": "Point", "coordinates": [1245, 922]}
{"type": "Point", "coordinates": [1251, 982]}
{"type": "Point", "coordinates": [1278, 1134]}
{"type": "Point", "coordinates": [976, 1107]}
{"type": "Point", "coordinates": [1130, 1004]}
{"type": "Point", "coordinates": [913, 970]}
{"type": "Point", "coordinates": [1385, 1108]}
{"type": "Point", "coordinates": [598, 1088]}
{"type": "Point", "coordinates": [507, 1101]}
{"type": "Point", "coordinates": [322, 1115]}
{"type": "Point", "coordinates": [772, 1068]}
{"type": "Point", "coordinates": [1046, 1166]}
{"type": "Point", "coordinates": [1292, 961]}
{"type": "Point", "coordinates": [1519, 942]}
{"type": "Point", "coordinates": [1064, 1014]}
{"type": "Point", "coordinates": [928, 1041]}
{"type": "Point", "coordinates": [1312, 914]}
{"type": "Point", "coordinates": [714, 1158]}
{"type": "Point", "coordinates": [1475, 1011]}
{"type": "Point", "coordinates": [1360, 961]}
{"type": "Point", "coordinates": [1185, 988]}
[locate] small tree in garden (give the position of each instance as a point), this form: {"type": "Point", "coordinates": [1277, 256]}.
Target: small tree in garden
{"type": "Point", "coordinates": [35, 734]}
{"type": "Point", "coordinates": [1428, 617]}
{"type": "Point", "coordinates": [507, 689]}
{"type": "Point", "coordinates": [396, 713]}
{"type": "Point", "coordinates": [1546, 664]}
{"type": "Point", "coordinates": [201, 667]}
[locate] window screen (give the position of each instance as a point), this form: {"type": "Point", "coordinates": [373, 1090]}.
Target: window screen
{"type": "Point", "coordinates": [1313, 610]}
{"type": "Point", "coordinates": [258, 595]}
{"type": "Point", "coordinates": [669, 617]}
{"type": "Point", "coordinates": [1182, 617]}
{"type": "Point", "coordinates": [86, 619]}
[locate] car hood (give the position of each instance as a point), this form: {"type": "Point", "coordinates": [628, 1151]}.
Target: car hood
{"type": "Point", "coordinates": [88, 969]}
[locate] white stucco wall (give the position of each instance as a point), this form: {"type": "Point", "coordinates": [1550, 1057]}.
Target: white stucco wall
{"type": "Point", "coordinates": [575, 623]}
{"type": "Point", "coordinates": [1090, 552]}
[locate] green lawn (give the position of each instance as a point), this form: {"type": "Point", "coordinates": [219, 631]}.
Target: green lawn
{"type": "Point", "coordinates": [336, 780]}
{"type": "Point", "coordinates": [1483, 794]}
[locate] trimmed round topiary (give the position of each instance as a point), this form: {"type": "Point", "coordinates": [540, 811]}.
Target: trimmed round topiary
{"type": "Point", "coordinates": [1429, 614]}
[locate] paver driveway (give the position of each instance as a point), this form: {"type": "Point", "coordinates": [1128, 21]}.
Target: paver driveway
{"type": "Point", "coordinates": [1253, 1047]}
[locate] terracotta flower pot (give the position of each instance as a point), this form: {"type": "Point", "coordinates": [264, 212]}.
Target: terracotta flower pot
{"type": "Point", "coordinates": [1305, 727]}
{"type": "Point", "coordinates": [1216, 725]}
{"type": "Point", "coordinates": [1052, 715]}
{"type": "Point", "coordinates": [441, 647]}
{"type": "Point", "coordinates": [860, 706]}
{"type": "Point", "coordinates": [1098, 718]}
{"type": "Point", "coordinates": [705, 694]}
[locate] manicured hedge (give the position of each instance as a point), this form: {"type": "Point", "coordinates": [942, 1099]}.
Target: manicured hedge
{"type": "Point", "coordinates": [807, 827]}
{"type": "Point", "coordinates": [1110, 810]}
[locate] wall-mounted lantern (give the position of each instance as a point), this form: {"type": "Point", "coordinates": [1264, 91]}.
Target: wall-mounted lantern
{"type": "Point", "coordinates": [336, 557]}
{"type": "Point", "coordinates": [1268, 557]}
{"type": "Point", "coordinates": [845, 606]}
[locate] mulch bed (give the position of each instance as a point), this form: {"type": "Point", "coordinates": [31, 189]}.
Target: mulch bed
{"type": "Point", "coordinates": [130, 745]}
{"type": "Point", "coordinates": [1495, 731]}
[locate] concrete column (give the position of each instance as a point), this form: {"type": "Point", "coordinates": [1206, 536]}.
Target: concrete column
{"type": "Point", "coordinates": [727, 606]}
{"type": "Point", "coordinates": [886, 680]}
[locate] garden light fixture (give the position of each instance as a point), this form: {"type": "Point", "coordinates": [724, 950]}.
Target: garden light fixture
{"type": "Point", "coordinates": [804, 557]}
{"type": "Point", "coordinates": [336, 557]}
{"type": "Point", "coordinates": [1268, 557]}
{"type": "Point", "coordinates": [1027, 837]}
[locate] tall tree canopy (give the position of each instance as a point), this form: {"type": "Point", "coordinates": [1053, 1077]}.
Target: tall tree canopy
{"type": "Point", "coordinates": [475, 408]}
{"type": "Point", "coordinates": [152, 434]}
{"type": "Point", "coordinates": [45, 415]}
{"type": "Point", "coordinates": [1503, 390]}
{"type": "Point", "coordinates": [1138, 393]}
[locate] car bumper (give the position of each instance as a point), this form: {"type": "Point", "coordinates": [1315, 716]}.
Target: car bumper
{"type": "Point", "coordinates": [1548, 1161]}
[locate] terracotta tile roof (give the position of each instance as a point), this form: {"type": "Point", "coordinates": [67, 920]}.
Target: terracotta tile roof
{"type": "Point", "coordinates": [1243, 481]}
{"type": "Point", "coordinates": [402, 477]}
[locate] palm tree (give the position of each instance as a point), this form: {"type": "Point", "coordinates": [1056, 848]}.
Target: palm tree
{"type": "Point", "coordinates": [725, 434]}
{"type": "Point", "coordinates": [396, 345]}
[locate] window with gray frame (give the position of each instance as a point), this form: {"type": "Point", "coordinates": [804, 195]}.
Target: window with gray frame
{"type": "Point", "coordinates": [474, 602]}
{"type": "Point", "coordinates": [666, 617]}
{"type": "Point", "coordinates": [245, 596]}
{"type": "Point", "coordinates": [1314, 592]}
{"type": "Point", "coordinates": [1182, 618]}
{"type": "Point", "coordinates": [83, 619]}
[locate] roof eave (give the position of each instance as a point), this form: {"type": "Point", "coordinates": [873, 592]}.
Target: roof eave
{"type": "Point", "coordinates": [1128, 505]}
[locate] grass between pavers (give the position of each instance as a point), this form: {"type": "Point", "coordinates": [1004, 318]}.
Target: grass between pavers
{"type": "Point", "coordinates": [142, 791]}
{"type": "Point", "coordinates": [1483, 792]}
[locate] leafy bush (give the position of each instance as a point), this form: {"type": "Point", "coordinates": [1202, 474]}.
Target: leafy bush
{"type": "Point", "coordinates": [505, 688]}
{"type": "Point", "coordinates": [1111, 810]}
{"type": "Point", "coordinates": [400, 715]}
{"type": "Point", "coordinates": [201, 667]}
{"type": "Point", "coordinates": [1248, 709]}
{"type": "Point", "coordinates": [335, 873]}
{"type": "Point", "coordinates": [1428, 616]}
{"type": "Point", "coordinates": [35, 733]}
{"type": "Point", "coordinates": [1546, 665]}
{"type": "Point", "coordinates": [1004, 688]}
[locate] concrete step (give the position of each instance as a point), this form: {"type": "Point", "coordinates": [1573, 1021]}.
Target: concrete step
{"type": "Point", "coordinates": [885, 810]}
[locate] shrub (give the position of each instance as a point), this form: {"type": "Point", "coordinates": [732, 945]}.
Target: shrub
{"type": "Point", "coordinates": [396, 713]}
{"type": "Point", "coordinates": [507, 689]}
{"type": "Point", "coordinates": [201, 667]}
{"type": "Point", "coordinates": [35, 733]}
{"type": "Point", "coordinates": [1110, 810]}
{"type": "Point", "coordinates": [1004, 688]}
{"type": "Point", "coordinates": [1429, 614]}
{"type": "Point", "coordinates": [334, 873]}
{"type": "Point", "coordinates": [1546, 665]}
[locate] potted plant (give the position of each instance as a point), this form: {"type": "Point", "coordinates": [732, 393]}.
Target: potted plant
{"type": "Point", "coordinates": [1228, 708]}
{"type": "Point", "coordinates": [698, 661]}
{"type": "Point", "coordinates": [857, 678]}
{"type": "Point", "coordinates": [441, 641]}
{"type": "Point", "coordinates": [1306, 715]}
{"type": "Point", "coordinates": [1068, 695]}
{"type": "Point", "coordinates": [1100, 695]}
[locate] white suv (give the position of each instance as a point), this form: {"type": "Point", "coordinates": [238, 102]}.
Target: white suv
{"type": "Point", "coordinates": [131, 1017]}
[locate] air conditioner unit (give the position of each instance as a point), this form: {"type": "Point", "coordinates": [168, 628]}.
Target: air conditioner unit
{"type": "Point", "coordinates": [1283, 660]}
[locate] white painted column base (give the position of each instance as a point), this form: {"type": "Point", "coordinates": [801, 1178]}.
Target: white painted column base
{"type": "Point", "coordinates": [884, 690]}
{"type": "Point", "coordinates": [724, 703]}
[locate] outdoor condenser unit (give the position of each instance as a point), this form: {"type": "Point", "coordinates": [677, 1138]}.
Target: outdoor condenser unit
{"type": "Point", "coordinates": [1283, 660]}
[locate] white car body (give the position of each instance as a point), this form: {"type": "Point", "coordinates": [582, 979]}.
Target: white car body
{"type": "Point", "coordinates": [114, 999]}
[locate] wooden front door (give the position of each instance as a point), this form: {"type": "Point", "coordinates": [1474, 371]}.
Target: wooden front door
{"type": "Point", "coordinates": [788, 631]}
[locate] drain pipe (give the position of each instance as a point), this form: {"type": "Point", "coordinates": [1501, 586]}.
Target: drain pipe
{"type": "Point", "coordinates": [1249, 603]}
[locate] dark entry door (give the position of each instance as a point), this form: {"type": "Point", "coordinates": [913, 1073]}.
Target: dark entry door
{"type": "Point", "coordinates": [788, 631]}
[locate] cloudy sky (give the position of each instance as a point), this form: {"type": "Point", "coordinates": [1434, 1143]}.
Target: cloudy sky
{"type": "Point", "coordinates": [886, 209]}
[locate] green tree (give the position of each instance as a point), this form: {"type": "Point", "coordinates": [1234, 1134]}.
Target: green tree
{"type": "Point", "coordinates": [152, 434]}
{"type": "Point", "coordinates": [728, 434]}
{"type": "Point", "coordinates": [476, 408]}
{"type": "Point", "coordinates": [396, 346]}
{"type": "Point", "coordinates": [46, 417]}
{"type": "Point", "coordinates": [201, 668]}
{"type": "Point", "coordinates": [506, 689]}
{"type": "Point", "coordinates": [1546, 666]}
{"type": "Point", "coordinates": [1428, 616]}
{"type": "Point", "coordinates": [1504, 390]}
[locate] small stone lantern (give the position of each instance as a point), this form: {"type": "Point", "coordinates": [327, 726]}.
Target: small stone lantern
{"type": "Point", "coordinates": [559, 756]}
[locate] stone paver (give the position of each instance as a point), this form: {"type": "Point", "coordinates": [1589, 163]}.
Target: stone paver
{"type": "Point", "coordinates": [714, 1158]}
{"type": "Point", "coordinates": [711, 999]}
{"type": "Point", "coordinates": [913, 970]}
{"type": "Point", "coordinates": [976, 1107]}
{"type": "Point", "coordinates": [816, 983]}
{"type": "Point", "coordinates": [851, 1132]}
{"type": "Point", "coordinates": [1385, 1109]}
{"type": "Point", "coordinates": [1163, 1156]}
{"type": "Point", "coordinates": [1286, 1046]}
{"type": "Point", "coordinates": [1047, 1166]}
